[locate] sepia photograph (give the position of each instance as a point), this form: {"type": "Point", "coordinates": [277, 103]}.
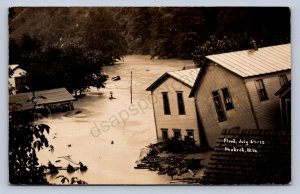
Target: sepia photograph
{"type": "Point", "coordinates": [149, 95]}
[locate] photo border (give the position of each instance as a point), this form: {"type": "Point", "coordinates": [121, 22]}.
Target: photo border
{"type": "Point", "coordinates": [295, 28]}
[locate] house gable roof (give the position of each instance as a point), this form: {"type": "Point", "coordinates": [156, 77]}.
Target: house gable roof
{"type": "Point", "coordinates": [249, 63]}
{"type": "Point", "coordinates": [13, 66]}
{"type": "Point", "coordinates": [187, 77]}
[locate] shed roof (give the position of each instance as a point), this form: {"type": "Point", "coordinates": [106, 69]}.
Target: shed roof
{"type": "Point", "coordinates": [270, 164]}
{"type": "Point", "coordinates": [22, 101]}
{"type": "Point", "coordinates": [248, 63]}
{"type": "Point", "coordinates": [54, 96]}
{"type": "Point", "coordinates": [186, 77]}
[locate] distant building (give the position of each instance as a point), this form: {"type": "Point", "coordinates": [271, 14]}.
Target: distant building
{"type": "Point", "coordinates": [16, 81]}
{"type": "Point", "coordinates": [236, 89]}
{"type": "Point", "coordinates": [174, 112]}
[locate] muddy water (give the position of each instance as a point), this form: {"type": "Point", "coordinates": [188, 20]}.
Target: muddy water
{"type": "Point", "coordinates": [86, 134]}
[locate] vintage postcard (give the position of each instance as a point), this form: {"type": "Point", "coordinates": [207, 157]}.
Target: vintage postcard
{"type": "Point", "coordinates": [149, 95]}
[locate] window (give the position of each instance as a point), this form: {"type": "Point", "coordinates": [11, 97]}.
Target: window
{"type": "Point", "coordinates": [177, 134]}
{"type": "Point", "coordinates": [20, 83]}
{"type": "Point", "coordinates": [218, 106]}
{"type": "Point", "coordinates": [190, 134]}
{"type": "Point", "coordinates": [282, 79]}
{"type": "Point", "coordinates": [166, 103]}
{"type": "Point", "coordinates": [181, 109]}
{"type": "Point", "coordinates": [165, 134]}
{"type": "Point", "coordinates": [227, 99]}
{"type": "Point", "coordinates": [261, 91]}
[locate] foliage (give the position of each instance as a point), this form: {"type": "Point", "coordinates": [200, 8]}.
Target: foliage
{"type": "Point", "coordinates": [92, 28]}
{"type": "Point", "coordinates": [69, 67]}
{"type": "Point", "coordinates": [20, 49]}
{"type": "Point", "coordinates": [25, 140]}
{"type": "Point", "coordinates": [159, 31]}
{"type": "Point", "coordinates": [240, 28]}
{"type": "Point", "coordinates": [176, 32]}
{"type": "Point", "coordinates": [72, 181]}
{"type": "Point", "coordinates": [103, 37]}
{"type": "Point", "coordinates": [23, 162]}
{"type": "Point", "coordinates": [215, 45]}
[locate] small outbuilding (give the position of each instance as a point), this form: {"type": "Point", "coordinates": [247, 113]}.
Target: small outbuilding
{"type": "Point", "coordinates": [53, 99]}
{"type": "Point", "coordinates": [16, 78]}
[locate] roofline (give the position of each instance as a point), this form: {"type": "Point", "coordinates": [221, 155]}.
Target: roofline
{"type": "Point", "coordinates": [248, 77]}
{"type": "Point", "coordinates": [248, 49]}
{"type": "Point", "coordinates": [263, 74]}
{"type": "Point", "coordinates": [244, 77]}
{"type": "Point", "coordinates": [197, 81]}
{"type": "Point", "coordinates": [156, 82]}
{"type": "Point", "coordinates": [201, 74]}
{"type": "Point", "coordinates": [59, 101]}
{"type": "Point", "coordinates": [162, 78]}
{"type": "Point", "coordinates": [284, 88]}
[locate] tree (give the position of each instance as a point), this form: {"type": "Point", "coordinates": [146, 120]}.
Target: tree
{"type": "Point", "coordinates": [24, 139]}
{"type": "Point", "coordinates": [164, 32]}
{"type": "Point", "coordinates": [82, 69]}
{"type": "Point", "coordinates": [21, 49]}
{"type": "Point", "coordinates": [104, 37]}
{"type": "Point", "coordinates": [215, 45]}
{"type": "Point", "coordinates": [71, 67]}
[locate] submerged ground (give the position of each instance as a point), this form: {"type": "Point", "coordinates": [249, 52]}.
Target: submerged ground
{"type": "Point", "coordinates": [86, 134]}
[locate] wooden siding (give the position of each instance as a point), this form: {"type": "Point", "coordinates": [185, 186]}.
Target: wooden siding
{"type": "Point", "coordinates": [271, 163]}
{"type": "Point", "coordinates": [216, 78]}
{"type": "Point", "coordinates": [267, 112]}
{"type": "Point", "coordinates": [174, 120]}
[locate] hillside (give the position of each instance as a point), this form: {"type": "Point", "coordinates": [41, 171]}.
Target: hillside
{"type": "Point", "coordinates": [159, 31]}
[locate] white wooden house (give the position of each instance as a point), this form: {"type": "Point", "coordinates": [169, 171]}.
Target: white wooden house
{"type": "Point", "coordinates": [237, 89]}
{"type": "Point", "coordinates": [16, 80]}
{"type": "Point", "coordinates": [174, 112]}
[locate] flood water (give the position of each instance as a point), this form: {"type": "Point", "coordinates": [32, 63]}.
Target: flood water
{"type": "Point", "coordinates": [86, 134]}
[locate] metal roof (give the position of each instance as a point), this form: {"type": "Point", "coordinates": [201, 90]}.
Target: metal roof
{"type": "Point", "coordinates": [54, 96]}
{"type": "Point", "coordinates": [186, 77]}
{"type": "Point", "coordinates": [22, 101]}
{"type": "Point", "coordinates": [248, 63]}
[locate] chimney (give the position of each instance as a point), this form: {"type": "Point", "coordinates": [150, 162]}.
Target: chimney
{"type": "Point", "coordinates": [254, 45]}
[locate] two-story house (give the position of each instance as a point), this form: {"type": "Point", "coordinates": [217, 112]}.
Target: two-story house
{"type": "Point", "coordinates": [237, 89]}
{"type": "Point", "coordinates": [175, 113]}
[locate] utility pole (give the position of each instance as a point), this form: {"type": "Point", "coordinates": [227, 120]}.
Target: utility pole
{"type": "Point", "coordinates": [131, 87]}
